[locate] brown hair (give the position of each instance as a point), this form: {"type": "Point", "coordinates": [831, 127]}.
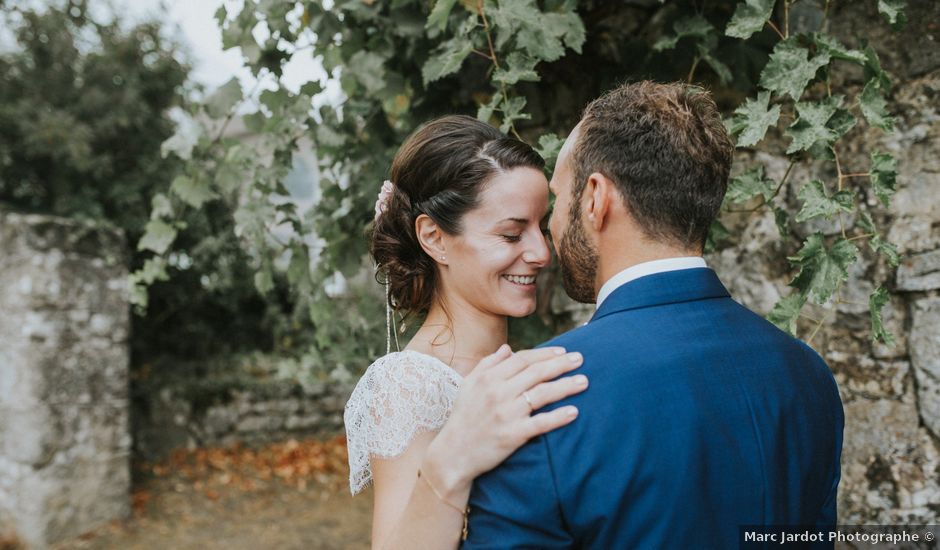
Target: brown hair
{"type": "Point", "coordinates": [440, 171]}
{"type": "Point", "coordinates": [665, 148]}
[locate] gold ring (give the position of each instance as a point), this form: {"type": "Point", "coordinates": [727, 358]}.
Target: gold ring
{"type": "Point", "coordinates": [525, 396]}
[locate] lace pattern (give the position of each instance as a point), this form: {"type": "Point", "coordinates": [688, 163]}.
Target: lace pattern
{"type": "Point", "coordinates": [400, 395]}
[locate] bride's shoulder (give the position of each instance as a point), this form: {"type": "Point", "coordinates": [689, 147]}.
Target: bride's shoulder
{"type": "Point", "coordinates": [407, 365]}
{"type": "Point", "coordinates": [399, 395]}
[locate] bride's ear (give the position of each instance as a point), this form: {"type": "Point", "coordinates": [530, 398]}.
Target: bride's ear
{"type": "Point", "coordinates": [431, 238]}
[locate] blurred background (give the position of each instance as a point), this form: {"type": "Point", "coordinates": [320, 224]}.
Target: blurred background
{"type": "Point", "coordinates": [185, 191]}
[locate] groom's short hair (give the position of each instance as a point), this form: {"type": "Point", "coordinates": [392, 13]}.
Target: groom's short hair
{"type": "Point", "coordinates": [667, 151]}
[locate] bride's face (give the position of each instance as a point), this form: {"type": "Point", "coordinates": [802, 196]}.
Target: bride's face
{"type": "Point", "coordinates": [493, 263]}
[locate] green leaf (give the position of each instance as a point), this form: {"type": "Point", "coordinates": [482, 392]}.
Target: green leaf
{"type": "Point", "coordinates": [160, 207]}
{"type": "Point", "coordinates": [328, 136]}
{"type": "Point", "coordinates": [194, 192]}
{"type": "Point", "coordinates": [447, 59]}
{"type": "Point", "coordinates": [220, 16]}
{"type": "Point", "coordinates": [275, 100]}
{"type": "Point", "coordinates": [790, 69]}
{"type": "Point", "coordinates": [749, 17]}
{"type": "Point", "coordinates": [876, 302]}
{"type": "Point", "coordinates": [254, 122]}
{"type": "Point", "coordinates": [549, 146]}
{"type": "Point", "coordinates": [877, 242]}
{"type": "Point", "coordinates": [830, 45]}
{"type": "Point", "coordinates": [886, 249]}
{"type": "Point", "coordinates": [786, 312]}
{"type": "Point", "coordinates": [822, 269]}
{"type": "Point", "coordinates": [817, 204]}
{"type": "Point", "coordinates": [221, 102]}
{"type": "Point", "coordinates": [485, 112]}
{"type": "Point", "coordinates": [154, 269]}
{"type": "Point", "coordinates": [717, 233]}
{"type": "Point", "coordinates": [541, 35]}
{"type": "Point", "coordinates": [264, 281]}
{"type": "Point", "coordinates": [893, 10]}
{"type": "Point", "coordinates": [782, 219]}
{"type": "Point", "coordinates": [369, 69]}
{"type": "Point", "coordinates": [752, 119]}
{"type": "Point", "coordinates": [842, 121]}
{"type": "Point", "coordinates": [750, 184]}
{"type": "Point", "coordinates": [311, 88]}
{"type": "Point", "coordinates": [512, 111]}
{"type": "Point", "coordinates": [439, 14]}
{"type": "Point", "coordinates": [519, 67]}
{"type": "Point", "coordinates": [874, 106]}
{"type": "Point", "coordinates": [873, 69]}
{"type": "Point", "coordinates": [298, 270]}
{"type": "Point", "coordinates": [184, 138]}
{"type": "Point", "coordinates": [884, 173]}
{"type": "Point", "coordinates": [866, 223]}
{"type": "Point", "coordinates": [819, 124]}
{"type": "Point", "coordinates": [691, 26]}
{"type": "Point", "coordinates": [158, 236]}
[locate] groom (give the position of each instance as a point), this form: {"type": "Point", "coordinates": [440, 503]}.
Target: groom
{"type": "Point", "coordinates": [701, 417]}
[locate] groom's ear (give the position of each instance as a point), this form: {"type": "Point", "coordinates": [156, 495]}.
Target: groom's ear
{"type": "Point", "coordinates": [600, 194]}
{"type": "Point", "coordinates": [430, 237]}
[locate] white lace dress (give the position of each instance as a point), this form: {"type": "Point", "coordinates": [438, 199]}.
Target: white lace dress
{"type": "Point", "coordinates": [400, 395]}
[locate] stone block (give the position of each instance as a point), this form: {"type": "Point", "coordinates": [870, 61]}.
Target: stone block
{"type": "Point", "coordinates": [920, 272]}
{"type": "Point", "coordinates": [925, 358]}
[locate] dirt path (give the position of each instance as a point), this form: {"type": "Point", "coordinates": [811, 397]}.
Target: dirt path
{"type": "Point", "coordinates": [241, 499]}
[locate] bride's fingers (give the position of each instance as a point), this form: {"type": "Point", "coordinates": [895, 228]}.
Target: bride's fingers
{"type": "Point", "coordinates": [501, 354]}
{"type": "Point", "coordinates": [543, 371]}
{"type": "Point", "coordinates": [548, 421]}
{"type": "Point", "coordinates": [522, 359]}
{"type": "Point", "coordinates": [549, 392]}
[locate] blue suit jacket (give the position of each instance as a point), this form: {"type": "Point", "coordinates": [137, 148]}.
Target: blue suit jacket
{"type": "Point", "coordinates": [700, 417]}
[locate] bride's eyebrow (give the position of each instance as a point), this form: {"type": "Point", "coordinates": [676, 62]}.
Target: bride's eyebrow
{"type": "Point", "coordinates": [522, 221]}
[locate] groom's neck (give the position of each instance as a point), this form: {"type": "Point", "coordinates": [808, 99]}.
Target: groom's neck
{"type": "Point", "coordinates": [616, 256]}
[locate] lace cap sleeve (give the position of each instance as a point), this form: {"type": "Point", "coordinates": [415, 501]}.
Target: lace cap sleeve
{"type": "Point", "coordinates": [400, 395]}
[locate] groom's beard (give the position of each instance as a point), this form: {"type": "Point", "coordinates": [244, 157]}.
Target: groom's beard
{"type": "Point", "coordinates": [578, 260]}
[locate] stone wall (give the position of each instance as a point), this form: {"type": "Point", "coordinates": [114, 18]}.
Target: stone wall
{"type": "Point", "coordinates": [891, 395]}
{"type": "Point", "coordinates": [186, 412]}
{"type": "Point", "coordinates": [64, 438]}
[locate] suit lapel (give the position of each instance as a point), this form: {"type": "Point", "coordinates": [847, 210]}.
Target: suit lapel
{"type": "Point", "coordinates": [671, 287]}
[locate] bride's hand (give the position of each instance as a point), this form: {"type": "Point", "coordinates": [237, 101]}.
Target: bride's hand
{"type": "Point", "coordinates": [492, 417]}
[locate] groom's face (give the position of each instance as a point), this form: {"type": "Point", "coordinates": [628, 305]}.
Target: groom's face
{"type": "Point", "coordinates": [576, 254]}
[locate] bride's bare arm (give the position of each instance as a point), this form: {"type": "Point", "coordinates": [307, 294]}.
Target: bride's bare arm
{"type": "Point", "coordinates": [490, 420]}
{"type": "Point", "coordinates": [406, 513]}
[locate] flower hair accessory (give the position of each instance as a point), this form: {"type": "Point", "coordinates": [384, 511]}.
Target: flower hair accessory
{"type": "Point", "coordinates": [381, 204]}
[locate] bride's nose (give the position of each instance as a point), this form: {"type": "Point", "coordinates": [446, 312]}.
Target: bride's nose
{"type": "Point", "coordinates": [537, 253]}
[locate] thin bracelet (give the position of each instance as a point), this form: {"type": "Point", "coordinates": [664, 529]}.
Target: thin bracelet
{"type": "Point", "coordinates": [437, 494]}
{"type": "Point", "coordinates": [465, 532]}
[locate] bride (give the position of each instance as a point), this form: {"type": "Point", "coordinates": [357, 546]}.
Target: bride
{"type": "Point", "coordinates": [459, 235]}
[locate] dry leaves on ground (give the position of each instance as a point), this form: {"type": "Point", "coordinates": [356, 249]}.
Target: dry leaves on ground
{"type": "Point", "coordinates": [293, 463]}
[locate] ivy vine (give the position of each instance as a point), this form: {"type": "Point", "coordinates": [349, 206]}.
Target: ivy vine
{"type": "Point", "coordinates": [400, 62]}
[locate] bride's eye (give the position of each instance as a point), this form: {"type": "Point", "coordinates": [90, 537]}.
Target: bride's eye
{"type": "Point", "coordinates": [512, 238]}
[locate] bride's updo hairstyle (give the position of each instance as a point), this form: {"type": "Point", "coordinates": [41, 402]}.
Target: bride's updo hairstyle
{"type": "Point", "coordinates": [440, 170]}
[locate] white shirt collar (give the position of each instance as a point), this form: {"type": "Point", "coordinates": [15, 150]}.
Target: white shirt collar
{"type": "Point", "coordinates": [647, 268]}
